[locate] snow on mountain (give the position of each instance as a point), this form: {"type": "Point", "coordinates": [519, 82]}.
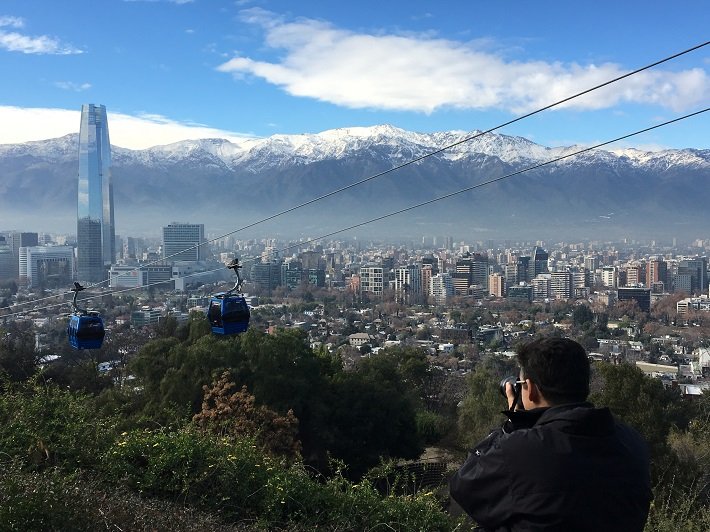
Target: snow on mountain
{"type": "Point", "coordinates": [393, 143]}
{"type": "Point", "coordinates": [688, 157]}
{"type": "Point", "coordinates": [205, 178]}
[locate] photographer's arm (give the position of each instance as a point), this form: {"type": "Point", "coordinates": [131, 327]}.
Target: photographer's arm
{"type": "Point", "coordinates": [482, 485]}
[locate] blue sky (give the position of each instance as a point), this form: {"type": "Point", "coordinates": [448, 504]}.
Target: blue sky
{"type": "Point", "coordinates": [175, 69]}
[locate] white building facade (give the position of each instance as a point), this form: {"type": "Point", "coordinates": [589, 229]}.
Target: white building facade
{"type": "Point", "coordinates": [51, 266]}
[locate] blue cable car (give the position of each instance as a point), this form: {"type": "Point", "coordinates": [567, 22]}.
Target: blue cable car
{"type": "Point", "coordinates": [228, 312]}
{"type": "Point", "coordinates": [85, 329]}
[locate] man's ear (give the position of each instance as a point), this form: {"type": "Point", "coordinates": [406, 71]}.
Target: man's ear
{"type": "Point", "coordinates": [533, 391]}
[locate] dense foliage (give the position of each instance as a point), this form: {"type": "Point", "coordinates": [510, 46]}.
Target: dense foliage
{"type": "Point", "coordinates": [262, 432]}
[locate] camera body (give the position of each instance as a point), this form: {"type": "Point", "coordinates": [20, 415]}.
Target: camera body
{"type": "Point", "coordinates": [510, 379]}
{"type": "Point", "coordinates": [517, 389]}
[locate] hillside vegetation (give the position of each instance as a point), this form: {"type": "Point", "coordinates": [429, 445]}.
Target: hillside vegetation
{"type": "Point", "coordinates": [261, 432]}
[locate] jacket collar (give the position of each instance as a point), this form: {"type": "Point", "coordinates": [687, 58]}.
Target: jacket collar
{"type": "Point", "coordinates": [580, 418]}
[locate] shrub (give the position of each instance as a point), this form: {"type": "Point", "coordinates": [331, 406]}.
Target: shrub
{"type": "Point", "coordinates": [45, 425]}
{"type": "Point", "coordinates": [240, 482]}
{"type": "Point", "coordinates": [431, 426]}
{"type": "Point", "coordinates": [672, 511]}
{"type": "Point", "coordinates": [234, 413]}
{"type": "Point", "coordinates": [30, 501]}
{"type": "Point", "coordinates": [192, 467]}
{"type": "Point", "coordinates": [51, 500]}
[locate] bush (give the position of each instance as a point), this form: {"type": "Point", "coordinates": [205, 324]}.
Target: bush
{"type": "Point", "coordinates": [190, 467]}
{"type": "Point", "coordinates": [30, 501]}
{"type": "Point", "coordinates": [44, 425]}
{"type": "Point", "coordinates": [431, 427]}
{"type": "Point", "coordinates": [671, 512]}
{"type": "Point", "coordinates": [51, 500]}
{"type": "Point", "coordinates": [240, 482]}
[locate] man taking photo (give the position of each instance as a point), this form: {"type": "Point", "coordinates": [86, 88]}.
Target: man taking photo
{"type": "Point", "coordinates": [558, 463]}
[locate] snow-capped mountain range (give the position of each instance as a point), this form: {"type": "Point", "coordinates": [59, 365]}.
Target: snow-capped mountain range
{"type": "Point", "coordinates": [199, 179]}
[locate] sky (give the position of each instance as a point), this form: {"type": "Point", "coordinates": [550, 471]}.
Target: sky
{"type": "Point", "coordinates": [169, 70]}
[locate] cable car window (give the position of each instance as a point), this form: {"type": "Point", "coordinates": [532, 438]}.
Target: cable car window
{"type": "Point", "coordinates": [235, 310]}
{"type": "Point", "coordinates": [90, 330]}
{"type": "Point", "coordinates": [215, 313]}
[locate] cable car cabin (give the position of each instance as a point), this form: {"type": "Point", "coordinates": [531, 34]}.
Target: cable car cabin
{"type": "Point", "coordinates": [228, 314]}
{"type": "Point", "coordinates": [86, 331]}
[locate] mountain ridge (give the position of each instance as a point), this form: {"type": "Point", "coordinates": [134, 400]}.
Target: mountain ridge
{"type": "Point", "coordinates": [255, 177]}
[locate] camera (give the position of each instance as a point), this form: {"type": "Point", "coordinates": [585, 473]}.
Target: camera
{"type": "Point", "coordinates": [512, 380]}
{"type": "Point", "coordinates": [517, 389]}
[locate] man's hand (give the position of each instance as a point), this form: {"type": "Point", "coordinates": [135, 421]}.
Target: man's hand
{"type": "Point", "coordinates": [510, 395]}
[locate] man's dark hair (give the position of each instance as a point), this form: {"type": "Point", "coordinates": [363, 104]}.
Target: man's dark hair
{"type": "Point", "coordinates": [559, 367]}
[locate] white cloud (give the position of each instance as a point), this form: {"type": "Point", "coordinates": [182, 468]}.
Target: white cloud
{"type": "Point", "coordinates": [134, 132]}
{"type": "Point", "coordinates": [13, 22]}
{"type": "Point", "coordinates": [14, 41]}
{"type": "Point", "coordinates": [424, 73]}
{"type": "Point", "coordinates": [71, 86]}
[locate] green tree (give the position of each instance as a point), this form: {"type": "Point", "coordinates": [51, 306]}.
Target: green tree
{"type": "Point", "coordinates": [369, 419]}
{"type": "Point", "coordinates": [410, 363]}
{"type": "Point", "coordinates": [167, 326]}
{"type": "Point", "coordinates": [18, 360]}
{"type": "Point", "coordinates": [582, 315]}
{"type": "Point", "coordinates": [150, 365]}
{"type": "Point", "coordinates": [645, 404]}
{"type": "Point", "coordinates": [483, 404]}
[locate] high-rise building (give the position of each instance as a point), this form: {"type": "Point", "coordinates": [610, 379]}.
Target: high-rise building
{"type": "Point", "coordinates": [265, 276]}
{"type": "Point", "coordinates": [371, 279]}
{"type": "Point", "coordinates": [46, 266]}
{"type": "Point", "coordinates": [656, 271]}
{"type": "Point", "coordinates": [610, 276]}
{"type": "Point", "coordinates": [520, 292]}
{"type": "Point", "coordinates": [311, 260]}
{"type": "Point", "coordinates": [591, 262]}
{"type": "Point", "coordinates": [184, 242]}
{"type": "Point", "coordinates": [542, 287]}
{"type": "Point", "coordinates": [636, 293]}
{"type": "Point", "coordinates": [580, 278]}
{"type": "Point", "coordinates": [432, 262]}
{"type": "Point", "coordinates": [19, 240]}
{"type": "Point", "coordinates": [96, 234]}
{"type": "Point", "coordinates": [16, 240]}
{"type": "Point", "coordinates": [538, 263]}
{"type": "Point", "coordinates": [522, 271]}
{"type": "Point", "coordinates": [427, 273]}
{"type": "Point", "coordinates": [496, 285]}
{"type": "Point", "coordinates": [697, 269]}
{"type": "Point", "coordinates": [292, 274]}
{"type": "Point", "coordinates": [8, 263]}
{"type": "Point", "coordinates": [561, 285]}
{"type": "Point", "coordinates": [633, 275]}
{"type": "Point", "coordinates": [471, 269]}
{"type": "Point", "coordinates": [441, 288]}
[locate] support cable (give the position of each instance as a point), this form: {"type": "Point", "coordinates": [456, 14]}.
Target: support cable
{"type": "Point", "coordinates": [411, 207]}
{"type": "Point", "coordinates": [410, 162]}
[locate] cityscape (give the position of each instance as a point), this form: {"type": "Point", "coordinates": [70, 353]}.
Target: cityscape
{"type": "Point", "coordinates": [262, 273]}
{"type": "Point", "coordinates": [436, 276]}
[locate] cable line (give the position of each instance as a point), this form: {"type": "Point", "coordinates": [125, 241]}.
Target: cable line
{"type": "Point", "coordinates": [501, 178]}
{"type": "Point", "coordinates": [410, 162]}
{"type": "Point", "coordinates": [418, 205]}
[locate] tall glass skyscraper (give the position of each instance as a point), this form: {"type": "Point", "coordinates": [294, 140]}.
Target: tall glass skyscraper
{"type": "Point", "coordinates": [96, 234]}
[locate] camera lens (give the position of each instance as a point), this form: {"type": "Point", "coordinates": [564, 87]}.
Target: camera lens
{"type": "Point", "coordinates": [506, 380]}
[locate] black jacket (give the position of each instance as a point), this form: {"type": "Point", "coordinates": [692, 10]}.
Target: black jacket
{"type": "Point", "coordinates": [573, 469]}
